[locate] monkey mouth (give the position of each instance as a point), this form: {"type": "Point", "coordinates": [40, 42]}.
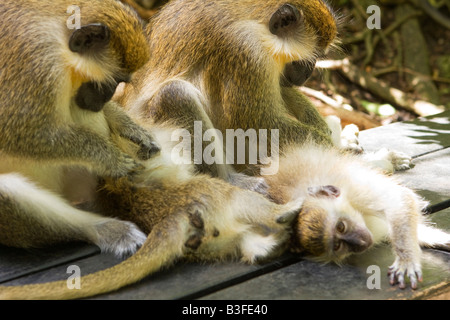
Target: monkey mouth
{"type": "Point", "coordinates": [296, 73]}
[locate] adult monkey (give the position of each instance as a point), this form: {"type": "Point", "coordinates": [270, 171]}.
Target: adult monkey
{"type": "Point", "coordinates": [57, 121]}
{"type": "Point", "coordinates": [232, 65]}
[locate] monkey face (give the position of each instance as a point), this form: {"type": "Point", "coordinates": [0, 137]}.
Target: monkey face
{"type": "Point", "coordinates": [329, 228]}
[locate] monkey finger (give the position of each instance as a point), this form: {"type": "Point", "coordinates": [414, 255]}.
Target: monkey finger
{"type": "Point", "coordinates": [413, 280]}
{"type": "Point", "coordinates": [415, 277]}
{"type": "Point", "coordinates": [401, 280]}
{"type": "Point", "coordinates": [291, 213]}
{"type": "Point", "coordinates": [396, 276]}
{"type": "Point", "coordinates": [135, 171]}
{"type": "Point", "coordinates": [147, 151]}
{"type": "Point", "coordinates": [392, 278]}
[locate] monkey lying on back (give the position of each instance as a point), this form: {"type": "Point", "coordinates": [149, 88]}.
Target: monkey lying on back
{"type": "Point", "coordinates": [349, 207]}
{"type": "Point", "coordinates": [187, 215]}
{"type": "Point", "coordinates": [56, 121]}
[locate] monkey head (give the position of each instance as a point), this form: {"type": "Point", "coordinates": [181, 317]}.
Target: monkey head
{"type": "Point", "coordinates": [102, 55]}
{"type": "Point", "coordinates": [301, 31]}
{"type": "Point", "coordinates": [328, 228]}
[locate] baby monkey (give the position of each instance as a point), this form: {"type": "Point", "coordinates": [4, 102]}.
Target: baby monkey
{"type": "Point", "coordinates": [349, 207]}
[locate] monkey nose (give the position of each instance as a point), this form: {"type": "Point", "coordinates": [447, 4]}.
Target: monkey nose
{"type": "Point", "coordinates": [358, 241]}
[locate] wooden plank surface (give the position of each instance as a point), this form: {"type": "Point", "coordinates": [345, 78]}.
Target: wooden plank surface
{"type": "Point", "coordinates": [415, 138]}
{"type": "Point", "coordinates": [16, 263]}
{"type": "Point", "coordinates": [310, 280]}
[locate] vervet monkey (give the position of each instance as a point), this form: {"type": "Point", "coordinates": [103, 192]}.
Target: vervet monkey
{"type": "Point", "coordinates": [233, 65]}
{"type": "Point", "coordinates": [349, 207]}
{"type": "Point", "coordinates": [57, 123]}
{"type": "Point", "coordinates": [187, 215]}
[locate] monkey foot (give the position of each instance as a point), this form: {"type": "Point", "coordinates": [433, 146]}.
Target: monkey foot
{"type": "Point", "coordinates": [197, 230]}
{"type": "Point", "coordinates": [119, 237]}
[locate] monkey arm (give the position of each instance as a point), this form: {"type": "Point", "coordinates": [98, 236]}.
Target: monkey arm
{"type": "Point", "coordinates": [301, 107]}
{"type": "Point", "coordinates": [68, 144]}
{"type": "Point", "coordinates": [181, 103]}
{"type": "Point", "coordinates": [292, 131]}
{"type": "Point", "coordinates": [400, 209]}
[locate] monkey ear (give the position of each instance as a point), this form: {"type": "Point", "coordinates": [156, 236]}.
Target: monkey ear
{"type": "Point", "coordinates": [285, 19]}
{"type": "Point", "coordinates": [324, 191]}
{"type": "Point", "coordinates": [89, 38]}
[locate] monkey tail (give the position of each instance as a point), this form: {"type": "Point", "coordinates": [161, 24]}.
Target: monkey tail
{"type": "Point", "coordinates": [163, 246]}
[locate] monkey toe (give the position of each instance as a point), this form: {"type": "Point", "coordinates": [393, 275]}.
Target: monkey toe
{"type": "Point", "coordinates": [195, 219]}
{"type": "Point", "coordinates": [257, 184]}
{"type": "Point", "coordinates": [193, 242]}
{"type": "Point", "coordinates": [197, 227]}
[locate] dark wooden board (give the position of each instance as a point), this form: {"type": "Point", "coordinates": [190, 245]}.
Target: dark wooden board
{"type": "Point", "coordinates": [310, 280]}
{"type": "Point", "coordinates": [16, 263]}
{"type": "Point", "coordinates": [184, 280]}
{"type": "Point", "coordinates": [411, 137]}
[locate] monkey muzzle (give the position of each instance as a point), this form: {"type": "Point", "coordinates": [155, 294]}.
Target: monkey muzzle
{"type": "Point", "coordinates": [296, 73]}
{"type": "Point", "coordinates": [91, 96]}
{"type": "Point", "coordinates": [358, 240]}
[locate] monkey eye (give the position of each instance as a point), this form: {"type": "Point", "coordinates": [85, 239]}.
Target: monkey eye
{"type": "Point", "coordinates": [341, 227]}
{"type": "Point", "coordinates": [337, 245]}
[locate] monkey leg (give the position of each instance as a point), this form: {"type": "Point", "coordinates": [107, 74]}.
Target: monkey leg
{"type": "Point", "coordinates": [33, 217]}
{"type": "Point", "coordinates": [182, 103]}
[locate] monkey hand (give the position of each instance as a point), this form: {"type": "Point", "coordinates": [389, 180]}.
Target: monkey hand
{"type": "Point", "coordinates": [123, 166]}
{"type": "Point", "coordinates": [147, 146]}
{"type": "Point", "coordinates": [404, 266]}
{"type": "Point", "coordinates": [243, 181]}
